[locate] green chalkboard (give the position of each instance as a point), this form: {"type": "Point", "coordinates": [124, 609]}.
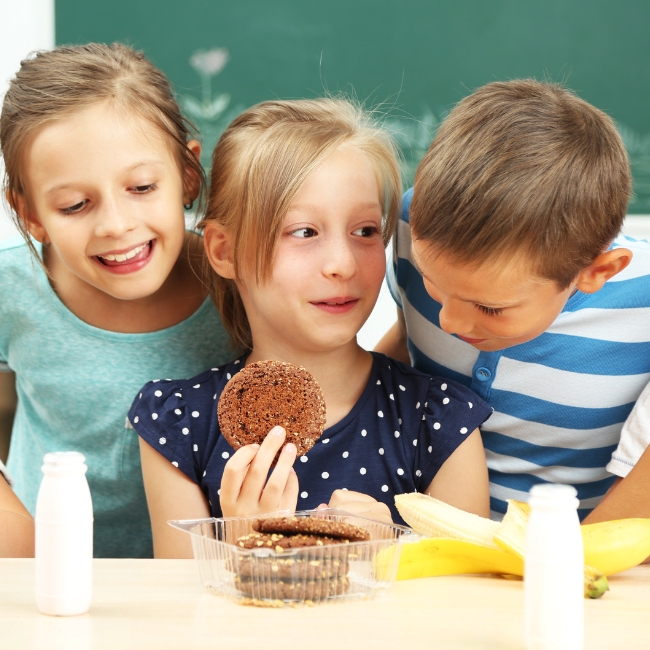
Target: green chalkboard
{"type": "Point", "coordinates": [414, 58]}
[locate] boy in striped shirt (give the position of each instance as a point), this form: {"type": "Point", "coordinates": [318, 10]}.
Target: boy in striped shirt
{"type": "Point", "coordinates": [508, 278]}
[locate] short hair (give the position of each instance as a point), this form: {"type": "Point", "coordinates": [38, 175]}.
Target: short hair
{"type": "Point", "coordinates": [258, 166]}
{"type": "Point", "coordinates": [55, 84]}
{"type": "Point", "coordinates": [523, 168]}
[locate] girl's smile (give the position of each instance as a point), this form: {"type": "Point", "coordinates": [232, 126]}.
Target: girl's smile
{"type": "Point", "coordinates": [129, 260]}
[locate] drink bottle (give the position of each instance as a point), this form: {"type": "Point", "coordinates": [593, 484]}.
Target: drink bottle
{"type": "Point", "coordinates": [554, 570]}
{"type": "Point", "coordinates": [64, 536]}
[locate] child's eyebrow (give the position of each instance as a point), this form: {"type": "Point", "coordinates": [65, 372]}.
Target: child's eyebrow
{"type": "Point", "coordinates": [141, 163]}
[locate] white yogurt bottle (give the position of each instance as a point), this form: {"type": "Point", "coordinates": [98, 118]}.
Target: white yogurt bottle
{"type": "Point", "coordinates": [64, 536]}
{"type": "Point", "coordinates": [554, 570]}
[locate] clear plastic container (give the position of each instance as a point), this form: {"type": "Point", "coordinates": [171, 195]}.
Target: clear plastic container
{"type": "Point", "coordinates": [306, 575]}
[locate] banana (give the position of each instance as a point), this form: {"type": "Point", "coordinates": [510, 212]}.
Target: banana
{"type": "Point", "coordinates": [440, 556]}
{"type": "Point", "coordinates": [459, 542]}
{"type": "Point", "coordinates": [609, 546]}
{"type": "Point", "coordinates": [435, 518]}
{"type": "Point", "coordinates": [511, 536]}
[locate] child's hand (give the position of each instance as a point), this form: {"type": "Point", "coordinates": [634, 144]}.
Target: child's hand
{"type": "Point", "coordinates": [360, 504]}
{"type": "Point", "coordinates": [245, 490]}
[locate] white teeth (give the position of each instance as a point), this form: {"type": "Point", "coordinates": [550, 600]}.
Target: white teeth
{"type": "Point", "coordinates": [123, 257]}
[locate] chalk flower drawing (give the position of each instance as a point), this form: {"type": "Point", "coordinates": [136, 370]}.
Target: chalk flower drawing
{"type": "Point", "coordinates": [208, 64]}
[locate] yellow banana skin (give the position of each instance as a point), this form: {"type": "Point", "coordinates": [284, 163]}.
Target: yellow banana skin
{"type": "Point", "coordinates": [610, 547]}
{"type": "Point", "coordinates": [615, 546]}
{"type": "Point", "coordinates": [442, 557]}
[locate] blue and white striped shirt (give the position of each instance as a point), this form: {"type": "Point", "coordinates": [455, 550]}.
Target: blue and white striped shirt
{"type": "Point", "coordinates": [559, 400]}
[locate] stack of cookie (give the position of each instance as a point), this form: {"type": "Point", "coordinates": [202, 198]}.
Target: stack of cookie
{"type": "Point", "coordinates": [299, 558]}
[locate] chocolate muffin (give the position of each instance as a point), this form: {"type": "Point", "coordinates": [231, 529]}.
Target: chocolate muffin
{"type": "Point", "coordinates": [267, 394]}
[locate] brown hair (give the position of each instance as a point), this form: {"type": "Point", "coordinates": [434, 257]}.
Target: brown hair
{"type": "Point", "coordinates": [258, 166]}
{"type": "Point", "coordinates": [53, 85]}
{"type": "Point", "coordinates": [523, 168]}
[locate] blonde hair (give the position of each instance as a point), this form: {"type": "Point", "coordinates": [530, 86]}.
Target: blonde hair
{"type": "Point", "coordinates": [523, 168]}
{"type": "Point", "coordinates": [258, 166]}
{"type": "Point", "coordinates": [54, 85]}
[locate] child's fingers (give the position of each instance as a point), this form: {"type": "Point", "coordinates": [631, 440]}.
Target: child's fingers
{"type": "Point", "coordinates": [234, 474]}
{"type": "Point", "coordinates": [360, 504]}
{"type": "Point", "coordinates": [258, 471]}
{"type": "Point", "coordinates": [289, 498]}
{"type": "Point", "coordinates": [281, 481]}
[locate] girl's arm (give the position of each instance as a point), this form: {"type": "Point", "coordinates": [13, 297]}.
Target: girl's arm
{"type": "Point", "coordinates": [462, 481]}
{"type": "Point", "coordinates": [16, 524]}
{"type": "Point", "coordinates": [170, 495]}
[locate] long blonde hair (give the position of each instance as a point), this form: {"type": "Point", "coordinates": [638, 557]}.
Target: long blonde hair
{"type": "Point", "coordinates": [258, 166]}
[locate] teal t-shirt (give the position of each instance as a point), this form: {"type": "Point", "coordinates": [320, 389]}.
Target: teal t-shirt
{"type": "Point", "coordinates": [75, 384]}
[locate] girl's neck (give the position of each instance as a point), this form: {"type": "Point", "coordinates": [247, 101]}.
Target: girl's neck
{"type": "Point", "coordinates": [178, 298]}
{"type": "Point", "coordinates": [342, 374]}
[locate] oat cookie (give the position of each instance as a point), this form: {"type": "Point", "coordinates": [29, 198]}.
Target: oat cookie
{"type": "Point", "coordinates": [279, 543]}
{"type": "Point", "coordinates": [311, 526]}
{"type": "Point", "coordinates": [269, 393]}
{"type": "Point", "coordinates": [293, 589]}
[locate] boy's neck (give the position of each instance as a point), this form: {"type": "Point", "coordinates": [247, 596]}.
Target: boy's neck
{"type": "Point", "coordinates": [342, 374]}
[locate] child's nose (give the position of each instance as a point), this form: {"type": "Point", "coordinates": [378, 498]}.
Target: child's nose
{"type": "Point", "coordinates": [338, 259]}
{"type": "Point", "coordinates": [113, 220]}
{"type": "Point", "coordinates": [454, 320]}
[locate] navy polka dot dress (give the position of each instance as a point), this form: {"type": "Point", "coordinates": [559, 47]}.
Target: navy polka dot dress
{"type": "Point", "coordinates": [400, 432]}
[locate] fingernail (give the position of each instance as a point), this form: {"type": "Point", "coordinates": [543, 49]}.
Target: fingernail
{"type": "Point", "coordinates": [290, 448]}
{"type": "Point", "coordinates": [255, 446]}
{"type": "Point", "coordinates": [276, 431]}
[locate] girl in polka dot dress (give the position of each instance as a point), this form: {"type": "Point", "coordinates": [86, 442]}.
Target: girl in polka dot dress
{"type": "Point", "coordinates": [304, 197]}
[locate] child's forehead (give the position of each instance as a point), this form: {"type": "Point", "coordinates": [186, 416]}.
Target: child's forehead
{"type": "Point", "coordinates": [501, 279]}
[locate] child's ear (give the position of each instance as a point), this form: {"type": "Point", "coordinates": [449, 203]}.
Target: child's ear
{"type": "Point", "coordinates": [21, 207]}
{"type": "Point", "coordinates": [191, 182]}
{"type": "Point", "coordinates": [219, 250]}
{"type": "Point", "coordinates": [604, 267]}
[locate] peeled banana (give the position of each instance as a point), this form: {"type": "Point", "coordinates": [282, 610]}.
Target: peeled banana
{"type": "Point", "coordinates": [459, 542]}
